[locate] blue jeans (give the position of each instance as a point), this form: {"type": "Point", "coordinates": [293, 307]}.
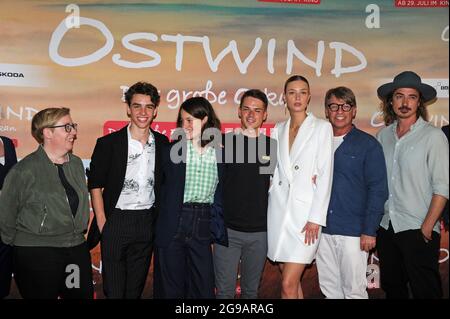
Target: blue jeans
{"type": "Point", "coordinates": [184, 269]}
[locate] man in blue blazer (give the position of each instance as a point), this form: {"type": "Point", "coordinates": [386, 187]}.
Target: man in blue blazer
{"type": "Point", "coordinates": [356, 206]}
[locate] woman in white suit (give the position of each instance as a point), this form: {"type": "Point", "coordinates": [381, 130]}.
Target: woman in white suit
{"type": "Point", "coordinates": [301, 187]}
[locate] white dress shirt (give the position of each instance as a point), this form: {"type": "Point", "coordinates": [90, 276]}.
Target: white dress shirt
{"type": "Point", "coordinates": [138, 188]}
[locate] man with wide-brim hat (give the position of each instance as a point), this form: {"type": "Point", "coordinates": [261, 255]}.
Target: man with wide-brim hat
{"type": "Point", "coordinates": [407, 79]}
{"type": "Point", "coordinates": [416, 155]}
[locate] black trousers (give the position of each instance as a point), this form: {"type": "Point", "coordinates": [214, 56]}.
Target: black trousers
{"type": "Point", "coordinates": [126, 248]}
{"type": "Point", "coordinates": [50, 272]}
{"type": "Point", "coordinates": [405, 258]}
{"type": "Point", "coordinates": [185, 268]}
{"type": "Point", "coordinates": [5, 269]}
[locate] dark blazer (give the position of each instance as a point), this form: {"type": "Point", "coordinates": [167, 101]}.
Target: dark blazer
{"type": "Point", "coordinates": [10, 158]}
{"type": "Point", "coordinates": [359, 167]}
{"type": "Point", "coordinates": [172, 195]}
{"type": "Point", "coordinates": [6, 250]}
{"type": "Point", "coordinates": [107, 170]}
{"type": "Point", "coordinates": [445, 213]}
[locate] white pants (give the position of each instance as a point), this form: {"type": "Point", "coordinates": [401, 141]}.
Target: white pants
{"type": "Point", "coordinates": [341, 266]}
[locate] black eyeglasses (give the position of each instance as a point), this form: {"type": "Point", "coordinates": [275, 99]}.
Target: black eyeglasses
{"type": "Point", "coordinates": [334, 107]}
{"type": "Point", "coordinates": [67, 127]}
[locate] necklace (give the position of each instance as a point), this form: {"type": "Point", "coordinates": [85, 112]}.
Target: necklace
{"type": "Point", "coordinates": [294, 130]}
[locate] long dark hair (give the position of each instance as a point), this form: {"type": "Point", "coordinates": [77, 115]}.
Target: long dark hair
{"type": "Point", "coordinates": [199, 107]}
{"type": "Point", "coordinates": [389, 115]}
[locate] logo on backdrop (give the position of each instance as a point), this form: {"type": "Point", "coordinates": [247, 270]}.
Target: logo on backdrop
{"type": "Point", "coordinates": [11, 74]}
{"type": "Point", "coordinates": [180, 40]}
{"type": "Point", "coordinates": [441, 86]}
{"type": "Point", "coordinates": [23, 75]}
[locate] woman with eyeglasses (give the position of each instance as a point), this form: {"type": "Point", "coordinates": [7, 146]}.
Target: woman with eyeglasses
{"type": "Point", "coordinates": [301, 187]}
{"type": "Point", "coordinates": [44, 213]}
{"type": "Point", "coordinates": [8, 159]}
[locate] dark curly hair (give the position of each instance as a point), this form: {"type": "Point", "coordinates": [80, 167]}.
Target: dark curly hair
{"type": "Point", "coordinates": [145, 89]}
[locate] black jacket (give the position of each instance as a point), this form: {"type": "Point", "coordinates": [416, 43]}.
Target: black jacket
{"type": "Point", "coordinates": [10, 158]}
{"type": "Point", "coordinates": [108, 168]}
{"type": "Point", "coordinates": [445, 212]}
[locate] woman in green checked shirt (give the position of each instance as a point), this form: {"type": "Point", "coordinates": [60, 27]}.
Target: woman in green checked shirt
{"type": "Point", "coordinates": [190, 210]}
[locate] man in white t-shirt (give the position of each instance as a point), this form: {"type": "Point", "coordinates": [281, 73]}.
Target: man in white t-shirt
{"type": "Point", "coordinates": [358, 195]}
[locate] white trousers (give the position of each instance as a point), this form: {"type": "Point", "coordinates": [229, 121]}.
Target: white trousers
{"type": "Point", "coordinates": [341, 266]}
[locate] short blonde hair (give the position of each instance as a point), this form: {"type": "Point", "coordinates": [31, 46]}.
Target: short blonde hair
{"type": "Point", "coordinates": [45, 118]}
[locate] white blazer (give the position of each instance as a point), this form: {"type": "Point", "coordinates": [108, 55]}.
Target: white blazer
{"type": "Point", "coordinates": [294, 198]}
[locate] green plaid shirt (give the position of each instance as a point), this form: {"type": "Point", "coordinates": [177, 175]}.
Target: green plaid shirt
{"type": "Point", "coordinates": [201, 175]}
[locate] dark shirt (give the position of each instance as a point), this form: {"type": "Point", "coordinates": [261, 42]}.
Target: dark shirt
{"type": "Point", "coordinates": [72, 196]}
{"type": "Point", "coordinates": [359, 188]}
{"type": "Point", "coordinates": [10, 158]}
{"type": "Point", "coordinates": [246, 183]}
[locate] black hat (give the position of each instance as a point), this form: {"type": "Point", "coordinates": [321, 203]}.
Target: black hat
{"type": "Point", "coordinates": [408, 79]}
